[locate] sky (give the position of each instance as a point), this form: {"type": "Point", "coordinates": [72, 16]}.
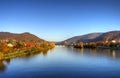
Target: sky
{"type": "Point", "coordinates": [57, 20]}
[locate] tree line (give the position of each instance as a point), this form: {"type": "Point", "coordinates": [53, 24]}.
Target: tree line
{"type": "Point", "coordinates": [100, 44]}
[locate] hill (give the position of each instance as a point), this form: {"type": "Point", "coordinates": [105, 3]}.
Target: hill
{"type": "Point", "coordinates": [26, 37]}
{"type": "Point", "coordinates": [109, 36]}
{"type": "Point", "coordinates": [83, 38]}
{"type": "Point", "coordinates": [93, 37]}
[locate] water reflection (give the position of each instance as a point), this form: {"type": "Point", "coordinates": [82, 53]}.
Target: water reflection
{"type": "Point", "coordinates": [45, 53]}
{"type": "Point", "coordinates": [97, 52]}
{"type": "Point", "coordinates": [114, 54]}
{"type": "Point", "coordinates": [3, 64]}
{"type": "Point", "coordinates": [65, 62]}
{"type": "Point", "coordinates": [7, 61]}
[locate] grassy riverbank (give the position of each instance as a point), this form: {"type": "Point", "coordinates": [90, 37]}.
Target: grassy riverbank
{"type": "Point", "coordinates": [20, 53]}
{"type": "Point", "coordinates": [20, 50]}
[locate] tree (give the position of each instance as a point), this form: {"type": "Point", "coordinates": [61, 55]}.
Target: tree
{"type": "Point", "coordinates": [93, 45]}
{"type": "Point", "coordinates": [44, 44]}
{"type": "Point", "coordinates": [1, 55]}
{"type": "Point", "coordinates": [4, 48]}
{"type": "Point", "coordinates": [51, 45]}
{"type": "Point", "coordinates": [79, 45]}
{"type": "Point", "coordinates": [19, 45]}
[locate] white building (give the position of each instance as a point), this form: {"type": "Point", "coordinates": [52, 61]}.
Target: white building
{"type": "Point", "coordinates": [10, 45]}
{"type": "Point", "coordinates": [114, 41]}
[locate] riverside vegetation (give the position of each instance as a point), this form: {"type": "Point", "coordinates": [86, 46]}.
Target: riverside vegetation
{"type": "Point", "coordinates": [100, 44]}
{"type": "Point", "coordinates": [13, 48]}
{"type": "Point", "coordinates": [106, 40]}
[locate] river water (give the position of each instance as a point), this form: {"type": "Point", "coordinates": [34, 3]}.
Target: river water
{"type": "Point", "coordinates": [64, 62]}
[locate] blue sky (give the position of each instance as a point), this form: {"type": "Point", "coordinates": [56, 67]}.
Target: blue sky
{"type": "Point", "coordinates": [57, 20]}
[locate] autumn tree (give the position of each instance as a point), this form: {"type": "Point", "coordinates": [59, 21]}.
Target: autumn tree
{"type": "Point", "coordinates": [19, 45]}
{"type": "Point", "coordinates": [4, 48]}
{"type": "Point", "coordinates": [93, 45]}
{"type": "Point", "coordinates": [29, 44]}
{"type": "Point", "coordinates": [100, 43]}
{"type": "Point", "coordinates": [1, 55]}
{"type": "Point", "coordinates": [79, 45]}
{"type": "Point", "coordinates": [44, 44]}
{"type": "Point", "coordinates": [51, 45]}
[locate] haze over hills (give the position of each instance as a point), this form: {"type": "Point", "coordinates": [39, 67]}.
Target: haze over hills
{"type": "Point", "coordinates": [93, 37]}
{"type": "Point", "coordinates": [26, 37]}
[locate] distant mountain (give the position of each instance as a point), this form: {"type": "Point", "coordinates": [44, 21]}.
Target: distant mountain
{"type": "Point", "coordinates": [26, 37]}
{"type": "Point", "coordinates": [93, 37]}
{"type": "Point", "coordinates": [108, 36]}
{"type": "Point", "coordinates": [83, 38]}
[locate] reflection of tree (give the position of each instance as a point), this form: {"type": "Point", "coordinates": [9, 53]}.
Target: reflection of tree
{"type": "Point", "coordinates": [106, 52]}
{"type": "Point", "coordinates": [52, 50]}
{"type": "Point", "coordinates": [7, 61]}
{"type": "Point", "coordinates": [115, 54]}
{"type": "Point", "coordinates": [2, 66]}
{"type": "Point", "coordinates": [81, 50]}
{"type": "Point", "coordinates": [97, 52]}
{"type": "Point", "coordinates": [45, 52]}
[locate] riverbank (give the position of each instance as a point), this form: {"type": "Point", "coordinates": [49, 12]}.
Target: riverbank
{"type": "Point", "coordinates": [100, 45]}
{"type": "Point", "coordinates": [4, 56]}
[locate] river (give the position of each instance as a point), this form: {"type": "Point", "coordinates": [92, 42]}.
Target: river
{"type": "Point", "coordinates": [64, 62]}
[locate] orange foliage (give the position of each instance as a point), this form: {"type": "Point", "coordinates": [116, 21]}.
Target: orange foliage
{"type": "Point", "coordinates": [29, 44]}
{"type": "Point", "coordinates": [51, 45]}
{"type": "Point", "coordinates": [4, 48]}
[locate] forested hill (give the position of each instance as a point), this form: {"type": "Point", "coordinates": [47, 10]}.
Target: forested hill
{"type": "Point", "coordinates": [108, 36]}
{"type": "Point", "coordinates": [26, 37]}
{"type": "Point", "coordinates": [93, 37]}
